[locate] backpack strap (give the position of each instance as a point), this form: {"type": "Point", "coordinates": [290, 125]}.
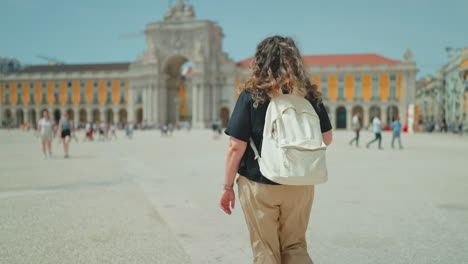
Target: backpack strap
{"type": "Point", "coordinates": [254, 148]}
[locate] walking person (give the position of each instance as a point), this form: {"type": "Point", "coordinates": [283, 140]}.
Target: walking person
{"type": "Point", "coordinates": [64, 129]}
{"type": "Point", "coordinates": [377, 129]}
{"type": "Point", "coordinates": [356, 124]}
{"type": "Point", "coordinates": [276, 215]}
{"type": "Point", "coordinates": [396, 132]}
{"type": "Point", "coordinates": [44, 130]}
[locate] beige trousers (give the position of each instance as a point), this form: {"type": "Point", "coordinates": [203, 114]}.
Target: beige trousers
{"type": "Point", "coordinates": [277, 218]}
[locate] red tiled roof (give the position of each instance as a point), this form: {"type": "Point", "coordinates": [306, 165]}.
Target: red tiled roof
{"type": "Point", "coordinates": [76, 67]}
{"type": "Point", "coordinates": [343, 59]}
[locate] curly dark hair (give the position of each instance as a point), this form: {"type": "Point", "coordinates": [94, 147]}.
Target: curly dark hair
{"type": "Point", "coordinates": [277, 68]}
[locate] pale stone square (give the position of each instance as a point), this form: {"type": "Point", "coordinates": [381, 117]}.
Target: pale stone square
{"type": "Point", "coordinates": [155, 199]}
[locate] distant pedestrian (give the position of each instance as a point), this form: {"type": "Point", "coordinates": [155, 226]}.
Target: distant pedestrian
{"type": "Point", "coordinates": [44, 130]}
{"type": "Point", "coordinates": [113, 134]}
{"type": "Point", "coordinates": [356, 125]}
{"type": "Point", "coordinates": [64, 129]}
{"type": "Point", "coordinates": [377, 129]}
{"type": "Point", "coordinates": [129, 130]}
{"type": "Point", "coordinates": [396, 132]}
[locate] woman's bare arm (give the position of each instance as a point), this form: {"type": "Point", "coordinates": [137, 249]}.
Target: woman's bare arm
{"type": "Point", "coordinates": [327, 137]}
{"type": "Point", "coordinates": [235, 152]}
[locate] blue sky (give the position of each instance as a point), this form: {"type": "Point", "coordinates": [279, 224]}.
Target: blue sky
{"type": "Point", "coordinates": [87, 31]}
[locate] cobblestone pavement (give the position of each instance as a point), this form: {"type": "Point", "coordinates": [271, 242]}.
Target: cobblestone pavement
{"type": "Point", "coordinates": [155, 200]}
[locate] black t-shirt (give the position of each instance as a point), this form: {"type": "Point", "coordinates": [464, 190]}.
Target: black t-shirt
{"type": "Point", "coordinates": [247, 122]}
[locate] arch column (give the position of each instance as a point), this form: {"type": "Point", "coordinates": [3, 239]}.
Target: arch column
{"type": "Point", "coordinates": [349, 115]}
{"type": "Point", "coordinates": [131, 105]}
{"type": "Point", "coordinates": [156, 104]}
{"type": "Point", "coordinates": [76, 115]}
{"type": "Point", "coordinates": [365, 116]}
{"type": "Point", "coordinates": [89, 112]}
{"type": "Point", "coordinates": [26, 115]}
{"type": "Point", "coordinates": [115, 115]}
{"type": "Point", "coordinates": [102, 114]}
{"type": "Point", "coordinates": [215, 102]}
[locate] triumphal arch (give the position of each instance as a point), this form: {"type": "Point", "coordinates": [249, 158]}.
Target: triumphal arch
{"type": "Point", "coordinates": [183, 75]}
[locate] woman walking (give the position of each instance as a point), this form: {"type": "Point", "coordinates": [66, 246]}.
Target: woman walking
{"type": "Point", "coordinates": [44, 130]}
{"type": "Point", "coordinates": [65, 127]}
{"type": "Point", "coordinates": [276, 215]}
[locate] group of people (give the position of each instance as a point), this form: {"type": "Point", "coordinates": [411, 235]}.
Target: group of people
{"type": "Point", "coordinates": [377, 129]}
{"type": "Point", "coordinates": [102, 130]}
{"type": "Point", "coordinates": [47, 131]}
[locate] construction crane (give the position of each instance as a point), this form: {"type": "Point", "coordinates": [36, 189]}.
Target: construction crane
{"type": "Point", "coordinates": [51, 61]}
{"type": "Point", "coordinates": [132, 35]}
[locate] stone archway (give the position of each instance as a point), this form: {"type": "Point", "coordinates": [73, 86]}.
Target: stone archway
{"type": "Point", "coordinates": [374, 111]}
{"type": "Point", "coordinates": [32, 116]}
{"type": "Point", "coordinates": [224, 116]}
{"type": "Point", "coordinates": [122, 116]}
{"type": "Point", "coordinates": [19, 117]}
{"type": "Point", "coordinates": [83, 116]}
{"type": "Point", "coordinates": [96, 116]}
{"type": "Point", "coordinates": [8, 117]}
{"type": "Point", "coordinates": [71, 114]}
{"type": "Point", "coordinates": [57, 115]}
{"type": "Point", "coordinates": [109, 116]}
{"type": "Point", "coordinates": [341, 117]}
{"type": "Point", "coordinates": [139, 116]}
{"type": "Point", "coordinates": [177, 92]}
{"type": "Point", "coordinates": [392, 113]}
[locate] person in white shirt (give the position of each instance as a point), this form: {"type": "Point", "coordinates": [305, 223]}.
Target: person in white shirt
{"type": "Point", "coordinates": [377, 129]}
{"type": "Point", "coordinates": [356, 123]}
{"type": "Point", "coordinates": [44, 130]}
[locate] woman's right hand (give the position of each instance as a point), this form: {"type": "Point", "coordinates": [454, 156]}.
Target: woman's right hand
{"type": "Point", "coordinates": [228, 200]}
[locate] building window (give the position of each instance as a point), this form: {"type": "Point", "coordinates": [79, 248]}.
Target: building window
{"type": "Point", "coordinates": [82, 98]}
{"type": "Point", "coordinates": [341, 93]}
{"type": "Point", "coordinates": [109, 98]}
{"type": "Point", "coordinates": [375, 78]}
{"type": "Point", "coordinates": [69, 98]}
{"type": "Point", "coordinates": [7, 85]}
{"type": "Point", "coordinates": [325, 92]}
{"type": "Point", "coordinates": [31, 98]}
{"type": "Point", "coordinates": [7, 98]}
{"type": "Point", "coordinates": [95, 84]}
{"type": "Point", "coordinates": [358, 92]}
{"type": "Point", "coordinates": [375, 92]}
{"type": "Point", "coordinates": [57, 85]}
{"type": "Point", "coordinates": [44, 85]}
{"type": "Point", "coordinates": [19, 86]}
{"type": "Point", "coordinates": [393, 92]}
{"type": "Point", "coordinates": [357, 78]}
{"type": "Point", "coordinates": [31, 85]}
{"type": "Point", "coordinates": [393, 77]}
{"type": "Point", "coordinates": [44, 98]}
{"type": "Point", "coordinates": [95, 98]}
{"type": "Point", "coordinates": [122, 84]}
{"type": "Point", "coordinates": [341, 78]}
{"type": "Point", "coordinates": [140, 97]}
{"type": "Point", "coordinates": [69, 84]}
{"type": "Point", "coordinates": [109, 84]}
{"type": "Point", "coordinates": [82, 84]}
{"type": "Point", "coordinates": [324, 79]}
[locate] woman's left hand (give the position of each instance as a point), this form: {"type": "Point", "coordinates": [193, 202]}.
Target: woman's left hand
{"type": "Point", "coordinates": [228, 200]}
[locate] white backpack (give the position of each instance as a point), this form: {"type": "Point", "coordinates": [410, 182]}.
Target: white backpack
{"type": "Point", "coordinates": [293, 152]}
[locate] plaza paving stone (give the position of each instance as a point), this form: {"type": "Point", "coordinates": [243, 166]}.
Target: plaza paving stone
{"type": "Point", "coordinates": [155, 200]}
